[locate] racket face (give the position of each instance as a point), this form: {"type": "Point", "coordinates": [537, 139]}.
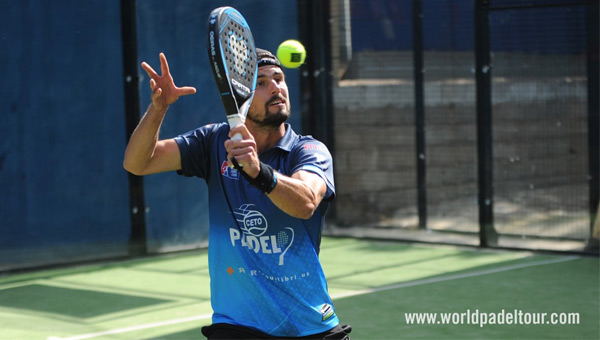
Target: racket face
{"type": "Point", "coordinates": [240, 55]}
{"type": "Point", "coordinates": [233, 56]}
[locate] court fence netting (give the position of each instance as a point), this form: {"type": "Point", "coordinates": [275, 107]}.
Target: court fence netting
{"type": "Point", "coordinates": [464, 122]}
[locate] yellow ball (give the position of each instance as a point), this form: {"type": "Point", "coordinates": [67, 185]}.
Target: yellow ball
{"type": "Point", "coordinates": [291, 53]}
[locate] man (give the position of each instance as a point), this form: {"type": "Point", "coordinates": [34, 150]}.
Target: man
{"type": "Point", "coordinates": [268, 196]}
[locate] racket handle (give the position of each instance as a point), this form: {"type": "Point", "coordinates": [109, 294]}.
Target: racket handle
{"type": "Point", "coordinates": [237, 136]}
{"type": "Point", "coordinates": [235, 120]}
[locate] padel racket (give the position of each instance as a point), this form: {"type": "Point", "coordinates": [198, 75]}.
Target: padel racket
{"type": "Point", "coordinates": [232, 57]}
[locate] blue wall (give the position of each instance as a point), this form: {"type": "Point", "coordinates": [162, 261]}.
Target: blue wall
{"type": "Point", "coordinates": [63, 192]}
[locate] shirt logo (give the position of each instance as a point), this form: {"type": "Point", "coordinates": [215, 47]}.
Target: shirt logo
{"type": "Point", "coordinates": [326, 312]}
{"type": "Point", "coordinates": [254, 233]}
{"type": "Point", "coordinates": [319, 151]}
{"type": "Point", "coordinates": [228, 172]}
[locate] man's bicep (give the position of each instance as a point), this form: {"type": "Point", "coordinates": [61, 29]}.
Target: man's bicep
{"type": "Point", "coordinates": [166, 157]}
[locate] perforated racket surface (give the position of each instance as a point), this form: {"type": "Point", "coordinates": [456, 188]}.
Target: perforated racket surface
{"type": "Point", "coordinates": [232, 56]}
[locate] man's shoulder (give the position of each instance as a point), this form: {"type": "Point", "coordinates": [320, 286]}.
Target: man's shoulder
{"type": "Point", "coordinates": [215, 127]}
{"type": "Point", "coordinates": [308, 142]}
{"type": "Point", "coordinates": [207, 131]}
{"type": "Point", "coordinates": [295, 140]}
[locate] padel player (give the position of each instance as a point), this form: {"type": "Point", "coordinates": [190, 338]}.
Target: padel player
{"type": "Point", "coordinates": [265, 218]}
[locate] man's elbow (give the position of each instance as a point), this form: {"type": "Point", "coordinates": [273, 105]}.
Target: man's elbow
{"type": "Point", "coordinates": [131, 168]}
{"type": "Point", "coordinates": [310, 205]}
{"type": "Point", "coordinates": [307, 211]}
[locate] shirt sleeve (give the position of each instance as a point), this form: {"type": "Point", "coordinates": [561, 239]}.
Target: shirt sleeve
{"type": "Point", "coordinates": [313, 156]}
{"type": "Point", "coordinates": [194, 147]}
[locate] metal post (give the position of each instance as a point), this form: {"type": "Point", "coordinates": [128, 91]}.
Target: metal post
{"type": "Point", "coordinates": [487, 234]}
{"type": "Point", "coordinates": [419, 70]}
{"type": "Point", "coordinates": [593, 107]}
{"type": "Point", "coordinates": [137, 237]}
{"type": "Point", "coordinates": [316, 83]}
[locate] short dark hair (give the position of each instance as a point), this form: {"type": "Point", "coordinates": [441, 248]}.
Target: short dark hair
{"type": "Point", "coordinates": [265, 57]}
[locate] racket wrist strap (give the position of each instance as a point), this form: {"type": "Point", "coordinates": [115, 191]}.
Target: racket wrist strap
{"type": "Point", "coordinates": [266, 179]}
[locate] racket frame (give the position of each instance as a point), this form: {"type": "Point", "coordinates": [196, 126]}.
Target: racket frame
{"type": "Point", "coordinates": [236, 93]}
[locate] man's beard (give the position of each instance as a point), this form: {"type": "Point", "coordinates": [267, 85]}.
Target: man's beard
{"type": "Point", "coordinates": [272, 120]}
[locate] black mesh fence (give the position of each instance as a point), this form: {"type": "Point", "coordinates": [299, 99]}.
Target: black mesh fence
{"type": "Point", "coordinates": [540, 117]}
{"type": "Point", "coordinates": [410, 171]}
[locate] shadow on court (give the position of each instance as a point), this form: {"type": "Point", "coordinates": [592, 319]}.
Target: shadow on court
{"type": "Point", "coordinates": [75, 303]}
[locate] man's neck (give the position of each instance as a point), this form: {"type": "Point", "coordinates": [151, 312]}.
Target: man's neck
{"type": "Point", "coordinates": [265, 138]}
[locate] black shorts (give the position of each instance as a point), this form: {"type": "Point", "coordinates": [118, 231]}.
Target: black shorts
{"type": "Point", "coordinates": [225, 331]}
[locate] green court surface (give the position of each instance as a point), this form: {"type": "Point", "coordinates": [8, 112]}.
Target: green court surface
{"type": "Point", "coordinates": [377, 287]}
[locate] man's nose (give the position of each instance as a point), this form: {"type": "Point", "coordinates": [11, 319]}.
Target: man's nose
{"type": "Point", "coordinates": [274, 87]}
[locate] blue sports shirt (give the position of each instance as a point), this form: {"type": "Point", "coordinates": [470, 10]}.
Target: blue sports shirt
{"type": "Point", "coordinates": [264, 266]}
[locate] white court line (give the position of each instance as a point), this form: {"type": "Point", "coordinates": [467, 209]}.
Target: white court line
{"type": "Point", "coordinates": [336, 296]}
{"type": "Point", "coordinates": [452, 277]}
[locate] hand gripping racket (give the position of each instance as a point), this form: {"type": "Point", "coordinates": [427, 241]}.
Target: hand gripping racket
{"type": "Point", "coordinates": [232, 57]}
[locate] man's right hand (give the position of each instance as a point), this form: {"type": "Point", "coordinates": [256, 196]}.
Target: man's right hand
{"type": "Point", "coordinates": [145, 154]}
{"type": "Point", "coordinates": [164, 91]}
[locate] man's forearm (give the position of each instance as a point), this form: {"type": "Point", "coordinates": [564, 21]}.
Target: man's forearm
{"type": "Point", "coordinates": [299, 195]}
{"type": "Point", "coordinates": [143, 141]}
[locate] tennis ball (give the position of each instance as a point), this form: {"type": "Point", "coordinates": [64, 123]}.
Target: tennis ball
{"type": "Point", "coordinates": [291, 53]}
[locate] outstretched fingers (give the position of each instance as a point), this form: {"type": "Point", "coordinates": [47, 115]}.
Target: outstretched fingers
{"type": "Point", "coordinates": [186, 90]}
{"type": "Point", "coordinates": [150, 71]}
{"type": "Point", "coordinates": [164, 65]}
{"type": "Point", "coordinates": [163, 85]}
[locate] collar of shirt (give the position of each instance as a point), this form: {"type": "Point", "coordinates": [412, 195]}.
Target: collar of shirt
{"type": "Point", "coordinates": [287, 141]}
